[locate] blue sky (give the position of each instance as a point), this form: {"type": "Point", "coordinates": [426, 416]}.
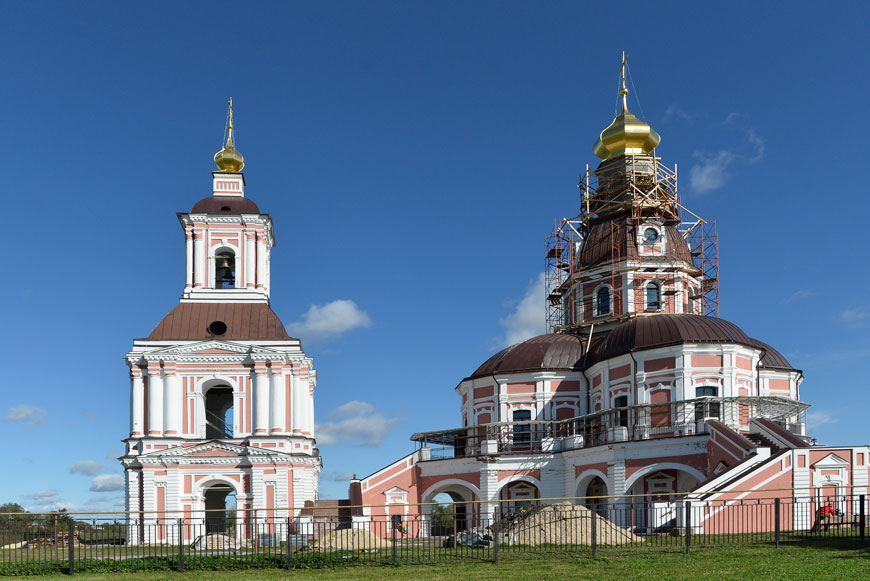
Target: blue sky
{"type": "Point", "coordinates": [413, 155]}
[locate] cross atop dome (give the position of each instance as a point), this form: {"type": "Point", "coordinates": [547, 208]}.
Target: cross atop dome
{"type": "Point", "coordinates": [627, 135]}
{"type": "Point", "coordinates": [228, 159]}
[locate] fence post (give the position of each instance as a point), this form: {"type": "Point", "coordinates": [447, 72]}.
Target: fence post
{"type": "Point", "coordinates": [289, 550]}
{"type": "Point", "coordinates": [496, 532]}
{"type": "Point", "coordinates": [861, 517]}
{"type": "Point", "coordinates": [71, 546]}
{"type": "Point", "coordinates": [688, 525]}
{"type": "Point", "coordinates": [393, 534]}
{"type": "Point", "coordinates": [776, 522]}
{"type": "Point", "coordinates": [180, 525]}
{"type": "Point", "coordinates": [594, 531]}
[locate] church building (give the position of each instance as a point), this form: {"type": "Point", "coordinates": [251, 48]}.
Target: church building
{"type": "Point", "coordinates": [221, 398]}
{"type": "Point", "coordinates": [640, 389]}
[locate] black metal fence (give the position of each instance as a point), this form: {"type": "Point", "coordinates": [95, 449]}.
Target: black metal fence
{"type": "Point", "coordinates": [418, 533]}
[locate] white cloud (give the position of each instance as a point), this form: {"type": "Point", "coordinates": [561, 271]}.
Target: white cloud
{"type": "Point", "coordinates": [356, 424]}
{"type": "Point", "coordinates": [818, 418]}
{"type": "Point", "coordinates": [731, 118]}
{"type": "Point", "coordinates": [330, 320]}
{"type": "Point", "coordinates": [675, 112]}
{"type": "Point", "coordinates": [337, 476]}
{"type": "Point", "coordinates": [855, 314]}
{"type": "Point", "coordinates": [798, 295]}
{"type": "Point", "coordinates": [47, 497]}
{"type": "Point", "coordinates": [758, 143]}
{"type": "Point", "coordinates": [711, 172]}
{"type": "Point", "coordinates": [107, 483]}
{"type": "Point", "coordinates": [29, 414]}
{"type": "Point", "coordinates": [528, 319]}
{"type": "Point", "coordinates": [86, 467]}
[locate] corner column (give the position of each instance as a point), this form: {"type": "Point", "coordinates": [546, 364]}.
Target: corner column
{"type": "Point", "coordinates": [261, 399]}
{"type": "Point", "coordinates": [155, 399]}
{"type": "Point", "coordinates": [137, 402]}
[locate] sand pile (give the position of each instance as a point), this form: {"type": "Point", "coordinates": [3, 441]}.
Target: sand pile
{"type": "Point", "coordinates": [214, 541]}
{"type": "Point", "coordinates": [561, 524]}
{"type": "Point", "coordinates": [351, 540]}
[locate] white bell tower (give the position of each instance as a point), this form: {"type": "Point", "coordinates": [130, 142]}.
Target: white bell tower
{"type": "Point", "coordinates": [221, 398]}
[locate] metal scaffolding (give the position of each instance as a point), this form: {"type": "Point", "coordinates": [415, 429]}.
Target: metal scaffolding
{"type": "Point", "coordinates": [639, 187]}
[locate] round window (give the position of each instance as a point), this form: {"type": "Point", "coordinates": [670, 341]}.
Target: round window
{"type": "Point", "coordinates": [217, 328]}
{"type": "Point", "coordinates": [650, 235]}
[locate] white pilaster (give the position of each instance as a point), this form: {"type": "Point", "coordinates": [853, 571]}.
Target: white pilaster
{"type": "Point", "coordinates": [188, 253]}
{"type": "Point", "coordinates": [171, 402]}
{"type": "Point", "coordinates": [261, 400]}
{"type": "Point", "coordinates": [276, 425]}
{"type": "Point", "coordinates": [296, 387]}
{"type": "Point", "coordinates": [155, 401]}
{"type": "Point", "coordinates": [199, 257]}
{"type": "Point", "coordinates": [261, 261]}
{"type": "Point", "coordinates": [249, 260]}
{"type": "Point", "coordinates": [137, 404]}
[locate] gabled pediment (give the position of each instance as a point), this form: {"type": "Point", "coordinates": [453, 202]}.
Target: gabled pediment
{"type": "Point", "coordinates": [396, 490]}
{"type": "Point", "coordinates": [831, 461]}
{"type": "Point", "coordinates": [212, 348]}
{"type": "Point", "coordinates": [214, 448]}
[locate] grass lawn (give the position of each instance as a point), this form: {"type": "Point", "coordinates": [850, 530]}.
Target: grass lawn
{"type": "Point", "coordinates": [829, 559]}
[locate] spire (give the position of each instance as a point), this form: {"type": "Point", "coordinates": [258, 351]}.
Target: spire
{"type": "Point", "coordinates": [228, 159]}
{"type": "Point", "coordinates": [627, 135]}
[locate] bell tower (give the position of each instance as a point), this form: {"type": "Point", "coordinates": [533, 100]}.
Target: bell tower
{"type": "Point", "coordinates": [221, 398]}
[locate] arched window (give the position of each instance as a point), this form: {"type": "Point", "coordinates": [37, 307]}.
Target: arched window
{"type": "Point", "coordinates": [708, 408]}
{"type": "Point", "coordinates": [219, 412]}
{"type": "Point", "coordinates": [653, 296]}
{"type": "Point", "coordinates": [602, 301]}
{"type": "Point", "coordinates": [225, 269]}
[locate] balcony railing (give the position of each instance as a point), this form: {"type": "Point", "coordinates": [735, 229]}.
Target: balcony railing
{"type": "Point", "coordinates": [630, 423]}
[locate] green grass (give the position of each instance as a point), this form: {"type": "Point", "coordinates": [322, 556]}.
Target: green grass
{"type": "Point", "coordinates": [822, 559]}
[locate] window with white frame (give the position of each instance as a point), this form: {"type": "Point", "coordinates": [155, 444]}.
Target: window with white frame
{"type": "Point", "coordinates": [708, 408]}
{"type": "Point", "coordinates": [653, 296]}
{"type": "Point", "coordinates": [603, 304]}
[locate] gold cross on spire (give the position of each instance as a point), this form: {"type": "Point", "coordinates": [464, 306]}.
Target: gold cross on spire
{"type": "Point", "coordinates": [230, 124]}
{"type": "Point", "coordinates": [623, 91]}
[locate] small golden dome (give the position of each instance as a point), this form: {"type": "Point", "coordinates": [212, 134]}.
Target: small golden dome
{"type": "Point", "coordinates": [228, 159]}
{"type": "Point", "coordinates": [627, 135]}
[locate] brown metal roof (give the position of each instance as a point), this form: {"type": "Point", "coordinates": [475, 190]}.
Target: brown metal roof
{"type": "Point", "coordinates": [244, 321]}
{"type": "Point", "coordinates": [666, 329]}
{"type": "Point", "coordinates": [225, 205]}
{"type": "Point", "coordinates": [794, 440]}
{"type": "Point", "coordinates": [555, 351]}
{"type": "Point", "coordinates": [771, 359]}
{"type": "Point", "coordinates": [597, 247]}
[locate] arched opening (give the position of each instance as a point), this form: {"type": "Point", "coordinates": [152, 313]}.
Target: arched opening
{"type": "Point", "coordinates": [220, 506]}
{"type": "Point", "coordinates": [596, 487]}
{"type": "Point", "coordinates": [516, 495]}
{"type": "Point", "coordinates": [653, 296]}
{"type": "Point", "coordinates": [602, 301]}
{"type": "Point", "coordinates": [225, 269]}
{"type": "Point", "coordinates": [452, 513]}
{"type": "Point", "coordinates": [219, 412]}
{"type": "Point", "coordinates": [655, 509]}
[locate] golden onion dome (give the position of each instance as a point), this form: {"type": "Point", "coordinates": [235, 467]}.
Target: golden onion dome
{"type": "Point", "coordinates": [229, 159]}
{"type": "Point", "coordinates": [627, 135]}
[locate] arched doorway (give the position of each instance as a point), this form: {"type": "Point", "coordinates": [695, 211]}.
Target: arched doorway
{"type": "Point", "coordinates": [656, 494]}
{"type": "Point", "coordinates": [451, 508]}
{"type": "Point", "coordinates": [596, 487]}
{"type": "Point", "coordinates": [515, 495]}
{"type": "Point", "coordinates": [220, 504]}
